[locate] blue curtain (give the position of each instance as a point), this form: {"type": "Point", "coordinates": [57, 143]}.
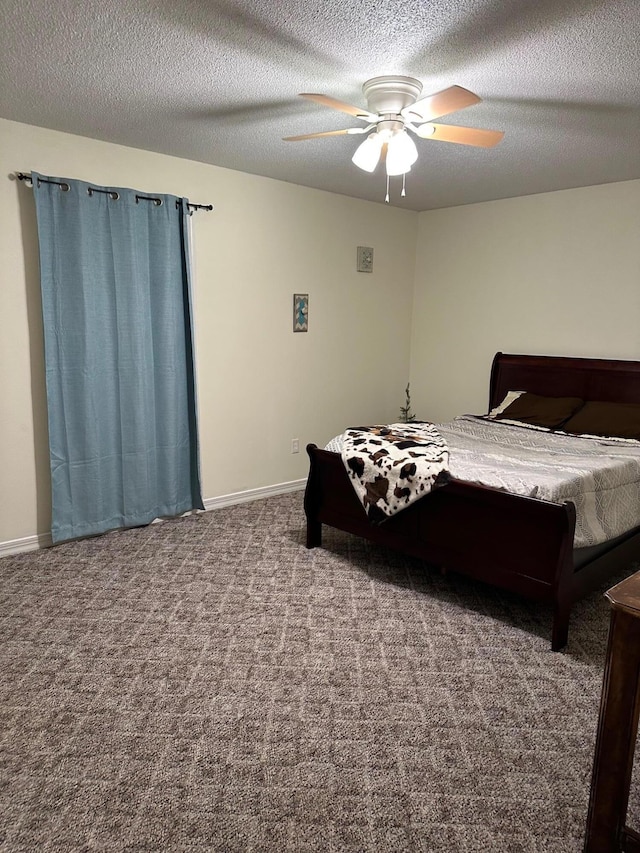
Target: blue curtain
{"type": "Point", "coordinates": [114, 269]}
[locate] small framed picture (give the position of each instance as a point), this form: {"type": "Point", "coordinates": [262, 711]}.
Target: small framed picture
{"type": "Point", "coordinates": [365, 259]}
{"type": "Point", "coordinates": [300, 312]}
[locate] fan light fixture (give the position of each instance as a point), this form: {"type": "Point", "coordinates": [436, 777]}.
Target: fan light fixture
{"type": "Point", "coordinates": [367, 154]}
{"type": "Point", "coordinates": [401, 152]}
{"type": "Point", "coordinates": [394, 106]}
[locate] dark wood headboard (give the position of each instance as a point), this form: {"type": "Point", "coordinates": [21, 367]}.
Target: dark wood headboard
{"type": "Point", "coordinates": [558, 376]}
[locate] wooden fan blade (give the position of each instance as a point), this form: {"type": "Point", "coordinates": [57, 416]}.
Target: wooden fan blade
{"type": "Point", "coordinates": [326, 101]}
{"type": "Point", "coordinates": [466, 135]}
{"type": "Point", "coordinates": [348, 130]}
{"type": "Point", "coordinates": [441, 103]}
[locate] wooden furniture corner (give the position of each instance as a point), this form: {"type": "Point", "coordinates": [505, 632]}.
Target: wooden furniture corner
{"type": "Point", "coordinates": [617, 727]}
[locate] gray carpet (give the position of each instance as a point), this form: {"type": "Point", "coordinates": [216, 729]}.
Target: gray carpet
{"type": "Point", "coordinates": [208, 684]}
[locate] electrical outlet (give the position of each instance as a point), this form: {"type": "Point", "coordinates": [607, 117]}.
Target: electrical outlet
{"type": "Point", "coordinates": [295, 445]}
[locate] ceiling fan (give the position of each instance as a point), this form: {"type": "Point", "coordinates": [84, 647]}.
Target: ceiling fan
{"type": "Point", "coordinates": [393, 109]}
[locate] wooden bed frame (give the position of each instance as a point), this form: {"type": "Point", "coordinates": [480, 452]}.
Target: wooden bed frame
{"type": "Point", "coordinates": [520, 544]}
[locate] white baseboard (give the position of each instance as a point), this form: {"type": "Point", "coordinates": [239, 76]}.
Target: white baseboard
{"type": "Point", "coordinates": [43, 540]}
{"type": "Point", "coordinates": [27, 543]}
{"type": "Point", "coordinates": [254, 494]}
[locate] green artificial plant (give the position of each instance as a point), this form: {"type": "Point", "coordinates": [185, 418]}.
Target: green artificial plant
{"type": "Point", "coordinates": [406, 415]}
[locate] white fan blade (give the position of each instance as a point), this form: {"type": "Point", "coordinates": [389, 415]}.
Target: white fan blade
{"type": "Point", "coordinates": [440, 104]}
{"type": "Point", "coordinates": [465, 135]}
{"type": "Point", "coordinates": [326, 101]}
{"type": "Point", "coordinates": [456, 133]}
{"type": "Point", "coordinates": [349, 130]}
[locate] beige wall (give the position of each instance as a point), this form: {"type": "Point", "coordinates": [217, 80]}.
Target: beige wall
{"type": "Point", "coordinates": [550, 274]}
{"type": "Point", "coordinates": [259, 384]}
{"type": "Point", "coordinates": [557, 273]}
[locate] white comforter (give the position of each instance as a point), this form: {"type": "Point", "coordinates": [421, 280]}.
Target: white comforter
{"type": "Point", "coordinates": [600, 476]}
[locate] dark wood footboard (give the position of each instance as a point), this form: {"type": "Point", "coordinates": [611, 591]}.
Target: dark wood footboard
{"type": "Point", "coordinates": [516, 543]}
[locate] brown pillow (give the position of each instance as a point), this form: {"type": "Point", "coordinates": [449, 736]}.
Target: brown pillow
{"type": "Point", "coordinates": [547, 412]}
{"type": "Point", "coordinates": [621, 420]}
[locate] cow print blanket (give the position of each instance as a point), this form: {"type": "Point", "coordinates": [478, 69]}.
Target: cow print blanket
{"type": "Point", "coordinates": [392, 466]}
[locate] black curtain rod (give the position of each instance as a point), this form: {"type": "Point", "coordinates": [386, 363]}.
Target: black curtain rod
{"type": "Point", "coordinates": [25, 176]}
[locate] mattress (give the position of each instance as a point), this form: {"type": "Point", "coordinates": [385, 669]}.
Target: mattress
{"type": "Point", "coordinates": [600, 476]}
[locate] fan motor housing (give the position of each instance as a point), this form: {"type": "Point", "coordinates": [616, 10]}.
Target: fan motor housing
{"type": "Point", "coordinates": [391, 94]}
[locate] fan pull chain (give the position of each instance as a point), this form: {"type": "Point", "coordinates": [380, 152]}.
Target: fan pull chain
{"type": "Point", "coordinates": [403, 193]}
{"type": "Point", "coordinates": [386, 198]}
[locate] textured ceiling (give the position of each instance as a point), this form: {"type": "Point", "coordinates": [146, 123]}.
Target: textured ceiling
{"type": "Point", "coordinates": [217, 81]}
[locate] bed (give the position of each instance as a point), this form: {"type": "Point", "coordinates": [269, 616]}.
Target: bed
{"type": "Point", "coordinates": [515, 542]}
